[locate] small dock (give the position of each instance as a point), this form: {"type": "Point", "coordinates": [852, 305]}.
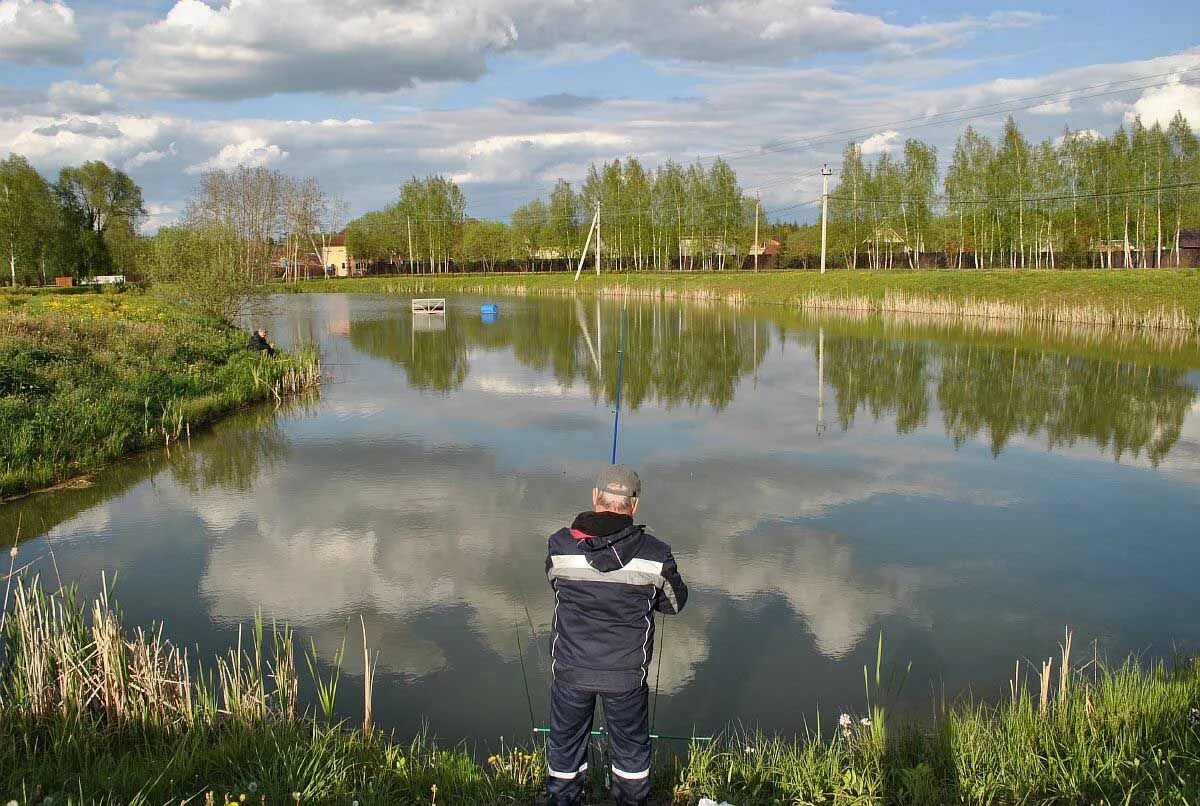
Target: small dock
{"type": "Point", "coordinates": [432, 305]}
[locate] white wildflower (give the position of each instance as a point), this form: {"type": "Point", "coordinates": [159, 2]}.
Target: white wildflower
{"type": "Point", "coordinates": [866, 723]}
{"type": "Point", "coordinates": [845, 720]}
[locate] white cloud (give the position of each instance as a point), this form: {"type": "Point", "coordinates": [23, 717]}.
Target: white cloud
{"type": "Point", "coordinates": [38, 32]}
{"type": "Point", "coordinates": [1017, 19]}
{"type": "Point", "coordinates": [514, 157]}
{"type": "Point", "coordinates": [159, 215]}
{"type": "Point", "coordinates": [1052, 108]}
{"type": "Point", "coordinates": [255, 47]}
{"type": "Point", "coordinates": [251, 48]}
{"type": "Point", "coordinates": [1160, 104]}
{"type": "Point", "coordinates": [143, 158]}
{"type": "Point", "coordinates": [80, 127]}
{"type": "Point", "coordinates": [881, 142]}
{"type": "Point", "coordinates": [255, 151]}
{"type": "Point", "coordinates": [71, 97]}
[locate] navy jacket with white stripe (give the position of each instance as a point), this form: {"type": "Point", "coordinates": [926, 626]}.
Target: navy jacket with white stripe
{"type": "Point", "coordinates": [606, 591]}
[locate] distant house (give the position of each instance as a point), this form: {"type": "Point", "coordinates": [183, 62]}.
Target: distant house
{"type": "Point", "coordinates": [1189, 249]}
{"type": "Point", "coordinates": [704, 247]}
{"type": "Point", "coordinates": [334, 253]}
{"type": "Point", "coordinates": [1112, 253]}
{"type": "Point", "coordinates": [771, 247]}
{"type": "Point", "coordinates": [548, 253]}
{"type": "Point", "coordinates": [884, 236]}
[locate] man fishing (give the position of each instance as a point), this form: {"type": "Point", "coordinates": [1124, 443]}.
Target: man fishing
{"type": "Point", "coordinates": [259, 343]}
{"type": "Point", "coordinates": [609, 577]}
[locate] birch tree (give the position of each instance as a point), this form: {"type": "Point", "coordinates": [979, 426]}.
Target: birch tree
{"type": "Point", "coordinates": [28, 217]}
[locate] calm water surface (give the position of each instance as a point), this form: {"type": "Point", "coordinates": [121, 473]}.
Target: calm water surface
{"type": "Point", "coordinates": [966, 493]}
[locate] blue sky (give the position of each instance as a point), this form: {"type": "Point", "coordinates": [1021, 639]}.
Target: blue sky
{"type": "Point", "coordinates": [507, 95]}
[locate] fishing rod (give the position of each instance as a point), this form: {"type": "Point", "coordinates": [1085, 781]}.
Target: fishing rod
{"type": "Point", "coordinates": [659, 736]}
{"type": "Point", "coordinates": [620, 376]}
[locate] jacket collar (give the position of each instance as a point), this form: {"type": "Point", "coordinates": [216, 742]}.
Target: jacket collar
{"type": "Point", "coordinates": [599, 524]}
{"type": "Point", "coordinates": [612, 551]}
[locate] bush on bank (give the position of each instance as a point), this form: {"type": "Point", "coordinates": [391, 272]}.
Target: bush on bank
{"type": "Point", "coordinates": [87, 378]}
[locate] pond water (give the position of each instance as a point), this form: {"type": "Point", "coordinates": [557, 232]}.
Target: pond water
{"type": "Point", "coordinates": [965, 491]}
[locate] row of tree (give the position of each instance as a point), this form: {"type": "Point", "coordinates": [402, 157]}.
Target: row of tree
{"type": "Point", "coordinates": [82, 225]}
{"type": "Point", "coordinates": [694, 217]}
{"type": "Point", "coordinates": [1077, 200]}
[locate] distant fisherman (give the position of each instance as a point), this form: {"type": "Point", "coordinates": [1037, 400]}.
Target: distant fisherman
{"type": "Point", "coordinates": [259, 343]}
{"type": "Point", "coordinates": [609, 577]}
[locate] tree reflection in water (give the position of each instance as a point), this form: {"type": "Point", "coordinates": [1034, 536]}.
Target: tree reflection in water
{"type": "Point", "coordinates": [674, 355]}
{"type": "Point", "coordinates": [1128, 408]}
{"type": "Point", "coordinates": [681, 354]}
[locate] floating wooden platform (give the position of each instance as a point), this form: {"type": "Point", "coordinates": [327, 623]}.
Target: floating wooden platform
{"type": "Point", "coordinates": [429, 305]}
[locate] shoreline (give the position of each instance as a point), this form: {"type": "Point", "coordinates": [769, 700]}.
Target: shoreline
{"type": "Point", "coordinates": [1120, 299]}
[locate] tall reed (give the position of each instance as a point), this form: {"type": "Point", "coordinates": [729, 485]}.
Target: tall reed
{"type": "Point", "coordinates": [91, 711]}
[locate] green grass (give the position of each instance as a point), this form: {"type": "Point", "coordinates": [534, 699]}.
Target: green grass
{"type": "Point", "coordinates": [93, 713]}
{"type": "Point", "coordinates": [87, 378]}
{"type": "Point", "coordinates": [1142, 292]}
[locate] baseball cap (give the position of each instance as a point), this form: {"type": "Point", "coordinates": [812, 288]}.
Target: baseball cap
{"type": "Point", "coordinates": [619, 480]}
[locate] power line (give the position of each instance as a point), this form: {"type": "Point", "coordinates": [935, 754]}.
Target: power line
{"type": "Point", "coordinates": [943, 200]}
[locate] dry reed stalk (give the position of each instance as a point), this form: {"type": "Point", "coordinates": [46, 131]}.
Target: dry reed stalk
{"type": "Point", "coordinates": [1064, 669]}
{"type": "Point", "coordinates": [1161, 319]}
{"type": "Point", "coordinates": [1014, 684]}
{"type": "Point", "coordinates": [110, 650]}
{"type": "Point", "coordinates": [1045, 678]}
{"type": "Point", "coordinates": [79, 660]}
{"type": "Point", "coordinates": [12, 564]}
{"type": "Point", "coordinates": [368, 682]}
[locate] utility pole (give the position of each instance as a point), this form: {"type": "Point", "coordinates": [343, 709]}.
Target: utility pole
{"type": "Point", "coordinates": [592, 230]}
{"type": "Point", "coordinates": [757, 205]}
{"type": "Point", "coordinates": [825, 174]}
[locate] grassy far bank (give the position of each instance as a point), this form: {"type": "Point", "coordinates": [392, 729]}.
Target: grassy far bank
{"type": "Point", "coordinates": [1135, 297]}
{"type": "Point", "coordinates": [87, 378]}
{"type": "Point", "coordinates": [93, 713]}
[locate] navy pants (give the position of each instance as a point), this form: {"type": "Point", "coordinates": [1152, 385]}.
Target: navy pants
{"type": "Point", "coordinates": [626, 714]}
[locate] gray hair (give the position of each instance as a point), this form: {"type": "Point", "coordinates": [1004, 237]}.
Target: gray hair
{"type": "Point", "coordinates": [617, 503]}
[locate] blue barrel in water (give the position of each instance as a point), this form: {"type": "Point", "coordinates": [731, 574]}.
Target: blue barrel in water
{"type": "Point", "coordinates": [488, 312]}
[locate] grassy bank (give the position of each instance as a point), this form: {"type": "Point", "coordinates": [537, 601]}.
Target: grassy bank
{"type": "Point", "coordinates": [86, 378]}
{"type": "Point", "coordinates": [1155, 299]}
{"type": "Point", "coordinates": [93, 713]}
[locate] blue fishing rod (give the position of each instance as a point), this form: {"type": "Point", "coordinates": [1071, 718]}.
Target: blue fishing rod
{"type": "Point", "coordinates": [620, 377]}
